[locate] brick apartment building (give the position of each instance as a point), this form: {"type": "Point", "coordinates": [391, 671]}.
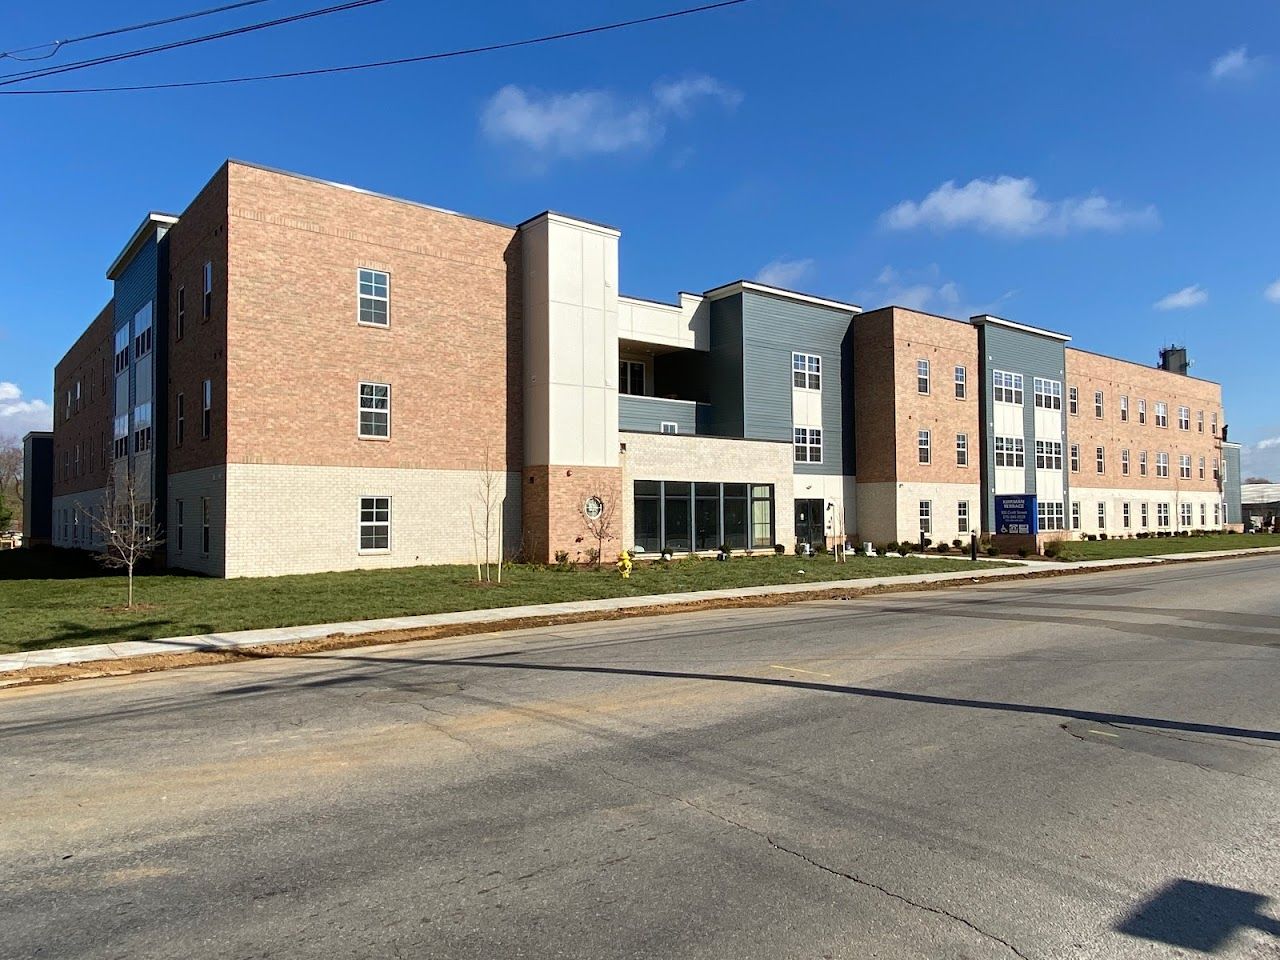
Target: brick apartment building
{"type": "Point", "coordinates": [306, 376]}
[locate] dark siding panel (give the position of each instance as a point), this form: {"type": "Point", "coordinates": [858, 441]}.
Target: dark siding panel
{"type": "Point", "coordinates": [725, 417]}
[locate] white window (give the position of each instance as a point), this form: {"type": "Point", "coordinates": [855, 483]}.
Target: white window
{"type": "Point", "coordinates": [1184, 466]}
{"type": "Point", "coordinates": [1203, 512]}
{"type": "Point", "coordinates": [1007, 387]}
{"type": "Point", "coordinates": [669, 426]}
{"type": "Point", "coordinates": [962, 449]}
{"type": "Point", "coordinates": [1048, 394]}
{"type": "Point", "coordinates": [922, 376]}
{"type": "Point", "coordinates": [1217, 514]}
{"type": "Point", "coordinates": [122, 352]}
{"type": "Point", "coordinates": [808, 445]}
{"type": "Point", "coordinates": [1101, 458]}
{"type": "Point", "coordinates": [1184, 516]}
{"type": "Point", "coordinates": [1142, 411]}
{"type": "Point", "coordinates": [1102, 516]}
{"type": "Point", "coordinates": [1051, 516]}
{"type": "Point", "coordinates": [1162, 414]}
{"type": "Point", "coordinates": [1143, 515]}
{"type": "Point", "coordinates": [1126, 518]}
{"type": "Point", "coordinates": [926, 516]}
{"type": "Point", "coordinates": [1202, 468]}
{"type": "Point", "coordinates": [631, 377]}
{"type": "Point", "coordinates": [1010, 452]}
{"type": "Point", "coordinates": [142, 428]}
{"type": "Point", "coordinates": [1048, 455]}
{"type": "Point", "coordinates": [208, 289]}
{"type": "Point", "coordinates": [1075, 515]}
{"type": "Point", "coordinates": [1162, 515]}
{"type": "Point", "coordinates": [1184, 418]}
{"type": "Point", "coordinates": [962, 516]}
{"type": "Point", "coordinates": [1216, 474]}
{"type": "Point", "coordinates": [375, 524]}
{"type": "Point", "coordinates": [922, 446]}
{"type": "Point", "coordinates": [1142, 464]}
{"type": "Point", "coordinates": [206, 413]}
{"type": "Point", "coordinates": [1124, 409]}
{"type": "Point", "coordinates": [1213, 425]}
{"type": "Point", "coordinates": [1200, 421]}
{"type": "Point", "coordinates": [1162, 465]}
{"type": "Point", "coordinates": [1075, 458]}
{"type": "Point", "coordinates": [1097, 404]}
{"type": "Point", "coordinates": [1124, 463]}
{"type": "Point", "coordinates": [143, 335]}
{"type": "Point", "coordinates": [374, 420]}
{"type": "Point", "coordinates": [962, 380]}
{"type": "Point", "coordinates": [374, 297]}
{"type": "Point", "coordinates": [806, 371]}
{"type": "Point", "coordinates": [1073, 401]}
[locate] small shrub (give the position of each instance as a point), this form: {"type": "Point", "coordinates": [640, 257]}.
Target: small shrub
{"type": "Point", "coordinates": [992, 552]}
{"type": "Point", "coordinates": [822, 547]}
{"type": "Point", "coordinates": [1053, 548]}
{"type": "Point", "coordinates": [958, 543]}
{"type": "Point", "coordinates": [904, 548]}
{"type": "Point", "coordinates": [1102, 536]}
{"type": "Point", "coordinates": [884, 549]}
{"type": "Point", "coordinates": [778, 548]}
{"type": "Point", "coordinates": [1023, 552]}
{"type": "Point", "coordinates": [799, 549]}
{"type": "Point", "coordinates": [1092, 536]}
{"type": "Point", "coordinates": [562, 558]}
{"type": "Point", "coordinates": [942, 548]}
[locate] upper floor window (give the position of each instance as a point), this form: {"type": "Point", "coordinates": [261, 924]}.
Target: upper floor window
{"type": "Point", "coordinates": [1142, 463]}
{"type": "Point", "coordinates": [375, 410]}
{"type": "Point", "coordinates": [1124, 462]}
{"type": "Point", "coordinates": [206, 415]}
{"type": "Point", "coordinates": [180, 321]}
{"type": "Point", "coordinates": [1073, 401]}
{"type": "Point", "coordinates": [923, 447]}
{"type": "Point", "coordinates": [1200, 421]}
{"type": "Point", "coordinates": [1184, 466]}
{"type": "Point", "coordinates": [1202, 468]}
{"type": "Point", "coordinates": [142, 428]}
{"type": "Point", "coordinates": [375, 297]}
{"type": "Point", "coordinates": [122, 350]}
{"type": "Point", "coordinates": [1075, 458]}
{"type": "Point", "coordinates": [1010, 452]}
{"type": "Point", "coordinates": [1048, 455]}
{"type": "Point", "coordinates": [180, 419]}
{"type": "Point", "coordinates": [1217, 475]}
{"type": "Point", "coordinates": [1162, 465]}
{"type": "Point", "coordinates": [1184, 418]}
{"type": "Point", "coordinates": [1101, 460]}
{"type": "Point", "coordinates": [1048, 394]}
{"type": "Point", "coordinates": [208, 289]}
{"type": "Point", "coordinates": [631, 377]}
{"type": "Point", "coordinates": [1097, 404]}
{"type": "Point", "coordinates": [1213, 428]}
{"type": "Point", "coordinates": [1162, 414]}
{"type": "Point", "coordinates": [922, 376]}
{"type": "Point", "coordinates": [806, 371]}
{"type": "Point", "coordinates": [808, 444]}
{"type": "Point", "coordinates": [962, 381]}
{"type": "Point", "coordinates": [1124, 409]}
{"type": "Point", "coordinates": [962, 449]}
{"type": "Point", "coordinates": [1007, 387]}
{"type": "Point", "coordinates": [1142, 411]}
{"type": "Point", "coordinates": [669, 426]}
{"type": "Point", "coordinates": [120, 437]}
{"type": "Point", "coordinates": [143, 335]}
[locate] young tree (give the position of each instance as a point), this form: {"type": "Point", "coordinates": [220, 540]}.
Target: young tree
{"type": "Point", "coordinates": [10, 477]}
{"type": "Point", "coordinates": [487, 522]}
{"type": "Point", "coordinates": [599, 513]}
{"type": "Point", "coordinates": [125, 524]}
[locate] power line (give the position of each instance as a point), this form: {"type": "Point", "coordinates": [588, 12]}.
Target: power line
{"type": "Point", "coordinates": [59, 44]}
{"type": "Point", "coordinates": [7, 79]}
{"type": "Point", "coordinates": [488, 48]}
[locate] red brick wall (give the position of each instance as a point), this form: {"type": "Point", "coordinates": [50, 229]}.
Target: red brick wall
{"type": "Point", "coordinates": [89, 363]}
{"type": "Point", "coordinates": [552, 501]}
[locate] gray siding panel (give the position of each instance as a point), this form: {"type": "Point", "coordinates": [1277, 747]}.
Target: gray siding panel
{"type": "Point", "coordinates": [772, 329]}
{"type": "Point", "coordinates": [646, 414]}
{"type": "Point", "coordinates": [1231, 484]}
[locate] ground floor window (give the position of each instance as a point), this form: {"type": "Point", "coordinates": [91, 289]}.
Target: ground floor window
{"type": "Point", "coordinates": [204, 525]}
{"type": "Point", "coordinates": [181, 525]}
{"type": "Point", "coordinates": [1184, 515]}
{"type": "Point", "coordinates": [375, 523]}
{"type": "Point", "coordinates": [1075, 515]}
{"type": "Point", "coordinates": [1162, 515]}
{"type": "Point", "coordinates": [1144, 516]}
{"type": "Point", "coordinates": [1217, 514]}
{"type": "Point", "coordinates": [679, 516]}
{"type": "Point", "coordinates": [1052, 516]}
{"type": "Point", "coordinates": [926, 516]}
{"type": "Point", "coordinates": [962, 516]}
{"type": "Point", "coordinates": [1203, 512]}
{"type": "Point", "coordinates": [1102, 516]}
{"type": "Point", "coordinates": [1126, 518]}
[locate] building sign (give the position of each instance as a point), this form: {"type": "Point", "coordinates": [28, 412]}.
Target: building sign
{"type": "Point", "coordinates": [1016, 513]}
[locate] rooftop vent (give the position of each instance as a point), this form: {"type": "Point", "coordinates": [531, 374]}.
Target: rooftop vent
{"type": "Point", "coordinates": [1174, 359]}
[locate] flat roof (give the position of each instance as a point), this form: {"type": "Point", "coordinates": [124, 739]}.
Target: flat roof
{"type": "Point", "coordinates": [1139, 363]}
{"type": "Point", "coordinates": [988, 318]}
{"type": "Point", "coordinates": [738, 286]}
{"type": "Point", "coordinates": [151, 222]}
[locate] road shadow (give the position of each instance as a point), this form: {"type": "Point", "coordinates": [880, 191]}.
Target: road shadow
{"type": "Point", "coordinates": [1198, 916]}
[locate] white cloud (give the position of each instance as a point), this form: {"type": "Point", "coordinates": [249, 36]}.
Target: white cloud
{"type": "Point", "coordinates": [785, 273]}
{"type": "Point", "coordinates": [1272, 292]}
{"type": "Point", "coordinates": [1268, 443]}
{"type": "Point", "coordinates": [925, 290]}
{"type": "Point", "coordinates": [1010, 206]}
{"type": "Point", "coordinates": [583, 122]}
{"type": "Point", "coordinates": [1261, 459]}
{"type": "Point", "coordinates": [18, 416]}
{"type": "Point", "coordinates": [1192, 296]}
{"type": "Point", "coordinates": [1235, 65]}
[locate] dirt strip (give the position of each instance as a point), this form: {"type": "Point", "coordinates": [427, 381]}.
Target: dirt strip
{"type": "Point", "coordinates": [153, 663]}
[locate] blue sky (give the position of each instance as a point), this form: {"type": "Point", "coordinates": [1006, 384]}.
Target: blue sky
{"type": "Point", "coordinates": [1108, 170]}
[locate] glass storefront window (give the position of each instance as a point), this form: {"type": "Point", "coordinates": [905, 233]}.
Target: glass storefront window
{"type": "Point", "coordinates": [735, 515]}
{"type": "Point", "coordinates": [761, 515]}
{"type": "Point", "coordinates": [677, 526]}
{"type": "Point", "coordinates": [648, 528]}
{"type": "Point", "coordinates": [680, 516]}
{"type": "Point", "coordinates": [706, 516]}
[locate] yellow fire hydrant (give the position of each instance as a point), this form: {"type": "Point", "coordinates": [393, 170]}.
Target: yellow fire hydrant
{"type": "Point", "coordinates": [624, 565]}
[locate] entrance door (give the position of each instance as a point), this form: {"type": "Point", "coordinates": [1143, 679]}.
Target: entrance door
{"type": "Point", "coordinates": [810, 521]}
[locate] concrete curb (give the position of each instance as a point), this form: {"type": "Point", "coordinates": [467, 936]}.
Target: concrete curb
{"type": "Point", "coordinates": [62, 656]}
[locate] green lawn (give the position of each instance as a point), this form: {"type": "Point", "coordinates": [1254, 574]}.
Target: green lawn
{"type": "Point", "coordinates": [73, 602]}
{"type": "Point", "coordinates": [1107, 549]}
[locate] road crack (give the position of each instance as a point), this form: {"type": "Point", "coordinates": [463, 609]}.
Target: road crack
{"type": "Point", "coordinates": [782, 848]}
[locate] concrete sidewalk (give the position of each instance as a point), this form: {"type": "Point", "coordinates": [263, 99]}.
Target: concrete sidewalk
{"type": "Point", "coordinates": [276, 635]}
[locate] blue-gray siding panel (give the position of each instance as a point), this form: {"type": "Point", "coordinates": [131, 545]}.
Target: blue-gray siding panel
{"type": "Point", "coordinates": [1231, 484]}
{"type": "Point", "coordinates": [772, 329]}
{"type": "Point", "coordinates": [646, 414]}
{"type": "Point", "coordinates": [1015, 351]}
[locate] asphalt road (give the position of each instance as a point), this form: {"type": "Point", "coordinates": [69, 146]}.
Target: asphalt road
{"type": "Point", "coordinates": [1087, 767]}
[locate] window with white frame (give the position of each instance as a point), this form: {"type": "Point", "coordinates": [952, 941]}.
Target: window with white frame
{"type": "Point", "coordinates": [1006, 387]}
{"type": "Point", "coordinates": [375, 524]}
{"type": "Point", "coordinates": [1101, 459]}
{"type": "Point", "coordinates": [1048, 455]}
{"type": "Point", "coordinates": [962, 449]}
{"type": "Point", "coordinates": [806, 371]}
{"type": "Point", "coordinates": [962, 382]}
{"type": "Point", "coordinates": [1075, 458]}
{"type": "Point", "coordinates": [631, 378]}
{"type": "Point", "coordinates": [1102, 516]}
{"type": "Point", "coordinates": [1051, 516]}
{"type": "Point", "coordinates": [374, 410]}
{"type": "Point", "coordinates": [808, 444]}
{"type": "Point", "coordinates": [1162, 515]}
{"type": "Point", "coordinates": [1203, 512]}
{"type": "Point", "coordinates": [1124, 409]}
{"type": "Point", "coordinates": [1048, 394]}
{"type": "Point", "coordinates": [1199, 421]}
{"type": "Point", "coordinates": [1217, 473]}
{"type": "Point", "coordinates": [208, 289]}
{"type": "Point", "coordinates": [669, 426]}
{"type": "Point", "coordinates": [923, 452]}
{"type": "Point", "coordinates": [1126, 517]}
{"type": "Point", "coordinates": [1184, 515]}
{"type": "Point", "coordinates": [1217, 514]}
{"type": "Point", "coordinates": [1143, 516]}
{"type": "Point", "coordinates": [1202, 468]}
{"type": "Point", "coordinates": [206, 413]}
{"type": "Point", "coordinates": [962, 516]}
{"type": "Point", "coordinates": [926, 516]}
{"type": "Point", "coordinates": [1184, 418]}
{"type": "Point", "coordinates": [373, 289]}
{"type": "Point", "coordinates": [1162, 465]}
{"type": "Point", "coordinates": [1142, 463]}
{"type": "Point", "coordinates": [1097, 404]}
{"type": "Point", "coordinates": [1075, 515]}
{"type": "Point", "coordinates": [122, 350]}
{"type": "Point", "coordinates": [1124, 463]}
{"type": "Point", "coordinates": [922, 376]}
{"type": "Point", "coordinates": [1184, 466]}
{"type": "Point", "coordinates": [1010, 452]}
{"type": "Point", "coordinates": [1142, 411]}
{"type": "Point", "coordinates": [1162, 414]}
{"type": "Point", "coordinates": [1213, 425]}
{"type": "Point", "coordinates": [1073, 401]}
